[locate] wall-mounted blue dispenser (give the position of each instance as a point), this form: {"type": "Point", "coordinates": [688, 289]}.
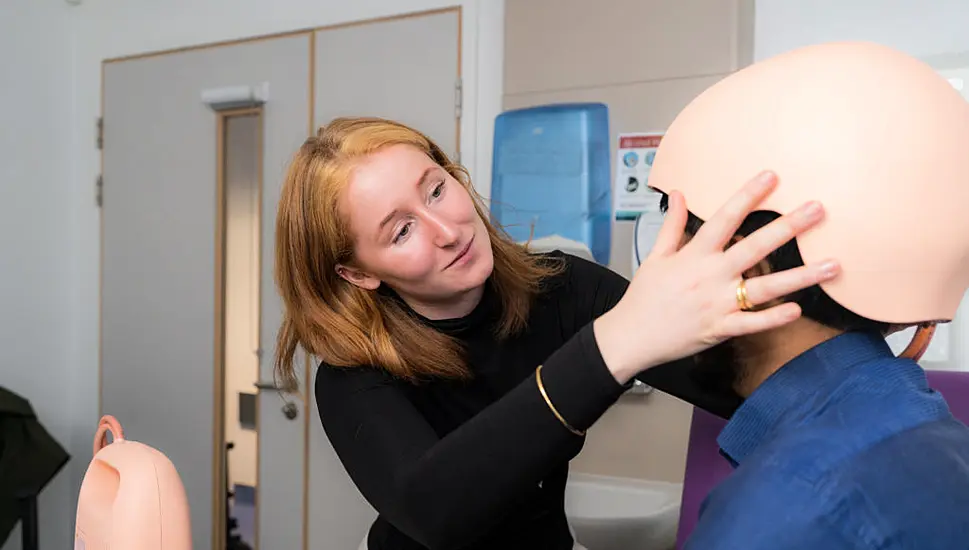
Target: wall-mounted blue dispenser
{"type": "Point", "coordinates": [551, 173]}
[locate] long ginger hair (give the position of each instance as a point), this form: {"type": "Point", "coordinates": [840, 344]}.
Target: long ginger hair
{"type": "Point", "coordinates": [342, 324]}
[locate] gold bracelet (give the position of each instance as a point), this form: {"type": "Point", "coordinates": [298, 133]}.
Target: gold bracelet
{"type": "Point", "coordinates": [541, 388]}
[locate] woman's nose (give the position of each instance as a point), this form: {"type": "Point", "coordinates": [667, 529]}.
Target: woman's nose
{"type": "Point", "coordinates": [445, 232]}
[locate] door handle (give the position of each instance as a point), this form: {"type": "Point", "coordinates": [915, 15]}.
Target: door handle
{"type": "Point", "coordinates": [271, 385]}
{"type": "Point", "coordinates": [290, 410]}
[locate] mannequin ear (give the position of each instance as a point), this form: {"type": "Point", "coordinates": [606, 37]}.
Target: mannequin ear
{"type": "Point", "coordinates": [357, 277]}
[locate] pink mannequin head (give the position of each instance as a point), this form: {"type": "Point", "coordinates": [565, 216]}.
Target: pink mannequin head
{"type": "Point", "coordinates": [131, 497]}
{"type": "Point", "coordinates": [878, 137]}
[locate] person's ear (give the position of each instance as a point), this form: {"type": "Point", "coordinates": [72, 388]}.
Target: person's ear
{"type": "Point", "coordinates": [358, 277]}
{"type": "Point", "coordinates": [759, 269]}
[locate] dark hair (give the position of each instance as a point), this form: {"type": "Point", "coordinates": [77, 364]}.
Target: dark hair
{"type": "Point", "coordinates": [814, 302]}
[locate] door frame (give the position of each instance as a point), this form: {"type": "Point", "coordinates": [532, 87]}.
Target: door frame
{"type": "Point", "coordinates": [218, 435]}
{"type": "Point", "coordinates": [220, 456]}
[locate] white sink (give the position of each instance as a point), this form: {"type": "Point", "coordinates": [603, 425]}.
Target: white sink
{"type": "Point", "coordinates": [613, 513]}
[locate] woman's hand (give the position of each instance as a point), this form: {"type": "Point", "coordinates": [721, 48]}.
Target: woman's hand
{"type": "Point", "coordinates": [685, 300]}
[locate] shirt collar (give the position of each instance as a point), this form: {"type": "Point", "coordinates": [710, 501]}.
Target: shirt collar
{"type": "Point", "coordinates": [788, 394]}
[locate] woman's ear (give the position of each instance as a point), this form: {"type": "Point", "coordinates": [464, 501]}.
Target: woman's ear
{"type": "Point", "coordinates": [357, 277]}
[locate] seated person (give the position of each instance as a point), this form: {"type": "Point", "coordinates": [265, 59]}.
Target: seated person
{"type": "Point", "coordinates": [839, 443]}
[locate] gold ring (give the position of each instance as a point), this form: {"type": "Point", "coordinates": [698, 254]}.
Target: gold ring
{"type": "Point", "coordinates": [743, 302]}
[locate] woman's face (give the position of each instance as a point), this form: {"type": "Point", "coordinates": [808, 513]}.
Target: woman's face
{"type": "Point", "coordinates": [415, 229]}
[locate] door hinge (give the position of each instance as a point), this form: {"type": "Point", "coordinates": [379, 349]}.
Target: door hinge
{"type": "Point", "coordinates": [99, 190]}
{"type": "Point", "coordinates": [100, 134]}
{"type": "Point", "coordinates": [458, 98]}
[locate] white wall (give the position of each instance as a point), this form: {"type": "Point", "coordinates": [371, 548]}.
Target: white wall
{"type": "Point", "coordinates": [36, 220]}
{"type": "Point", "coordinates": [922, 28]}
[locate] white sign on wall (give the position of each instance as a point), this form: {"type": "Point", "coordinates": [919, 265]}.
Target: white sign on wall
{"type": "Point", "coordinates": [634, 159]}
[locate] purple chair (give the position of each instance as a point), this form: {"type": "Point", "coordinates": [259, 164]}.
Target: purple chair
{"type": "Point", "coordinates": [705, 467]}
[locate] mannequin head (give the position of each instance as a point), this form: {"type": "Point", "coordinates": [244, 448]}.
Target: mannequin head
{"type": "Point", "coordinates": [879, 138]}
{"type": "Point", "coordinates": [131, 497]}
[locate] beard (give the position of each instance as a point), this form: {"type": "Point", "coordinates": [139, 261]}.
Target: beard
{"type": "Point", "coordinates": [719, 372]}
{"type": "Point", "coordinates": [714, 376]}
{"type": "Point", "coordinates": [718, 369]}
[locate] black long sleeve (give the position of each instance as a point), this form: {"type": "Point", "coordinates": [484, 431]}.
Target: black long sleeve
{"type": "Point", "coordinates": [444, 492]}
{"type": "Point", "coordinates": [598, 289]}
{"type": "Point", "coordinates": [447, 467]}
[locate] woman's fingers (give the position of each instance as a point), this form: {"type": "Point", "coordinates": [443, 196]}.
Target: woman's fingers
{"type": "Point", "coordinates": [721, 227]}
{"type": "Point", "coordinates": [674, 224]}
{"type": "Point", "coordinates": [751, 322]}
{"type": "Point", "coordinates": [755, 247]}
{"type": "Point", "coordinates": [763, 289]}
{"type": "Point", "coordinates": [679, 297]}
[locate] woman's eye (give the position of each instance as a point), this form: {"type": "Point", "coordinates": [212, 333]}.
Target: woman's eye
{"type": "Point", "coordinates": [438, 190]}
{"type": "Point", "coordinates": [402, 233]}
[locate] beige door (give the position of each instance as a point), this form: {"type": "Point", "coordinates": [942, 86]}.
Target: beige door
{"type": "Point", "coordinates": [165, 348]}
{"type": "Point", "coordinates": [189, 309]}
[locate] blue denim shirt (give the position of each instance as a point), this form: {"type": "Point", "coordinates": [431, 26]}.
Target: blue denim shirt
{"type": "Point", "coordinates": [844, 447]}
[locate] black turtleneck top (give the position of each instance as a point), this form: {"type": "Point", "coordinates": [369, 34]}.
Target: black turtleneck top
{"type": "Point", "coordinates": [483, 463]}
